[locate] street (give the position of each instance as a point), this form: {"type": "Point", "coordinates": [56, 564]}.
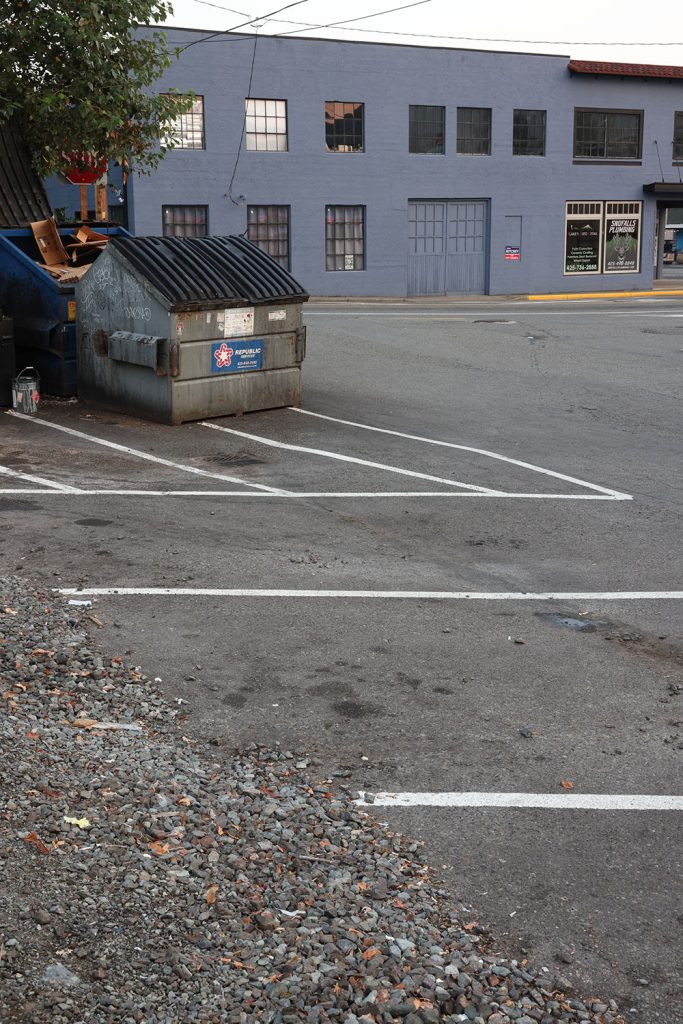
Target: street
{"type": "Point", "coordinates": [456, 570]}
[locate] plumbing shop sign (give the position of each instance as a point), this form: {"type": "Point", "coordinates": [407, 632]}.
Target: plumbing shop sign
{"type": "Point", "coordinates": [237, 356]}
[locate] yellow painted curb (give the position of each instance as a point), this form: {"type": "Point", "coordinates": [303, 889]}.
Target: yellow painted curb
{"type": "Point", "coordinates": [602, 295]}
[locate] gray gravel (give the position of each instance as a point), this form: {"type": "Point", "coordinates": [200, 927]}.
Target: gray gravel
{"type": "Point", "coordinates": [145, 881]}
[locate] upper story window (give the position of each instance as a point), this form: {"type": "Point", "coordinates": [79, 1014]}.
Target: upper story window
{"type": "Point", "coordinates": [678, 136]}
{"type": "Point", "coordinates": [268, 227]}
{"type": "Point", "coordinates": [266, 125]}
{"type": "Point", "coordinates": [427, 129]}
{"type": "Point", "coordinates": [474, 131]}
{"type": "Point", "coordinates": [185, 221]}
{"type": "Point", "coordinates": [344, 131]}
{"type": "Point", "coordinates": [187, 130]}
{"type": "Point", "coordinates": [528, 133]}
{"type": "Point", "coordinates": [607, 134]}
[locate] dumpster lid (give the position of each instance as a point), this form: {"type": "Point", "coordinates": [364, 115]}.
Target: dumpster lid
{"type": "Point", "coordinates": [200, 270]}
{"type": "Point", "coordinates": [22, 196]}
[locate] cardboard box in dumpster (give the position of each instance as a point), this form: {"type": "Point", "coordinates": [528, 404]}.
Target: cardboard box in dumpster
{"type": "Point", "coordinates": [49, 243]}
{"type": "Point", "coordinates": [56, 260]}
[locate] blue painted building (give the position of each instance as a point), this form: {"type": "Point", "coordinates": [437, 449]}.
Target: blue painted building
{"type": "Point", "coordinates": [374, 169]}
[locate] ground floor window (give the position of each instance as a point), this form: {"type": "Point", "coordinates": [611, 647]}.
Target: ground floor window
{"type": "Point", "coordinates": [602, 237]}
{"type": "Point", "coordinates": [344, 238]}
{"type": "Point", "coordinates": [185, 221]}
{"type": "Point", "coordinates": [268, 227]}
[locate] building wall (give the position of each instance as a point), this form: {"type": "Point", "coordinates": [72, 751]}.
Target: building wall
{"type": "Point", "coordinates": [387, 79]}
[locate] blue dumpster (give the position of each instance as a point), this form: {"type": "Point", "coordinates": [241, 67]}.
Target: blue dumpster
{"type": "Point", "coordinates": [43, 310]}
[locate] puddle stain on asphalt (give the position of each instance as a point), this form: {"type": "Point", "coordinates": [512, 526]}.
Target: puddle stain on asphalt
{"type": "Point", "coordinates": [626, 636]}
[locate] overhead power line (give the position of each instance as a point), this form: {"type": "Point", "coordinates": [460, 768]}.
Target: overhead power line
{"type": "Point", "coordinates": [347, 21]}
{"type": "Point", "coordinates": [244, 24]}
{"type": "Point", "coordinates": [307, 26]}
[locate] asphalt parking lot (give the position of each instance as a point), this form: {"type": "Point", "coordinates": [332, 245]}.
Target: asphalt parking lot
{"type": "Point", "coordinates": [454, 577]}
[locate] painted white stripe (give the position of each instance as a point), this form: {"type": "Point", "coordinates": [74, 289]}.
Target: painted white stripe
{"type": "Point", "coordinates": [144, 455]}
{"type": "Point", "coordinates": [466, 448]}
{"type": "Point", "coordinates": [315, 494]}
{"type": "Point", "coordinates": [547, 801]}
{"type": "Point", "coordinates": [435, 314]}
{"type": "Point", "coordinates": [58, 488]}
{"type": "Point", "coordinates": [349, 458]}
{"type": "Point", "coordinates": [381, 595]}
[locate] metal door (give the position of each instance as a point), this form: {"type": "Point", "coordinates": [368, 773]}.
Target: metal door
{"type": "Point", "coordinates": [426, 248]}
{"type": "Point", "coordinates": [447, 247]}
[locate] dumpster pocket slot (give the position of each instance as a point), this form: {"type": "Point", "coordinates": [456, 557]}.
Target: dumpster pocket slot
{"type": "Point", "coordinates": [139, 349]}
{"type": "Point", "coordinates": [300, 344]}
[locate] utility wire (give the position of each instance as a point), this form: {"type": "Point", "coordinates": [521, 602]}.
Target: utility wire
{"type": "Point", "coordinates": [307, 26]}
{"type": "Point", "coordinates": [243, 24]}
{"type": "Point", "coordinates": [244, 123]}
{"type": "Point", "coordinates": [347, 21]}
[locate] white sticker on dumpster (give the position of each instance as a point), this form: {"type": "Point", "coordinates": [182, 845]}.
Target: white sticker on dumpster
{"type": "Point", "coordinates": [278, 314]}
{"type": "Point", "coordinates": [238, 322]}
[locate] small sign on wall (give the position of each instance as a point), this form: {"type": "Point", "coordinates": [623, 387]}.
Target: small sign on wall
{"type": "Point", "coordinates": [512, 253]}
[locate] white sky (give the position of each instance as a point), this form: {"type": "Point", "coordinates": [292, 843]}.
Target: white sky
{"type": "Point", "coordinates": [580, 28]}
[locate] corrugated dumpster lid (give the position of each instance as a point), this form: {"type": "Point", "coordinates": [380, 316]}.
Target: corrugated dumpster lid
{"type": "Point", "coordinates": [199, 270]}
{"type": "Point", "coordinates": [22, 196]}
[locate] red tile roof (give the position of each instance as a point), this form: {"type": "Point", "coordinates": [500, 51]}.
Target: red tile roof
{"type": "Point", "coordinates": [603, 67]}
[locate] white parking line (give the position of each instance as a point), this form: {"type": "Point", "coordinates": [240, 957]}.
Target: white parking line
{"type": "Point", "coordinates": [547, 801]}
{"type": "Point", "coordinates": [58, 488]}
{"type": "Point", "coordinates": [382, 595]}
{"type": "Point", "coordinates": [466, 448]}
{"type": "Point", "coordinates": [145, 455]}
{"type": "Point", "coordinates": [349, 458]}
{"type": "Point", "coordinates": [307, 494]}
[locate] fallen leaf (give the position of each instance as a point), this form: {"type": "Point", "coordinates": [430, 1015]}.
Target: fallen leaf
{"type": "Point", "coordinates": [566, 784]}
{"type": "Point", "coordinates": [33, 735]}
{"type": "Point", "coordinates": [362, 886]}
{"type": "Point", "coordinates": [184, 801]}
{"type": "Point", "coordinates": [81, 822]}
{"type": "Point", "coordinates": [210, 895]}
{"type": "Point", "coordinates": [159, 848]}
{"type": "Point", "coordinates": [84, 723]}
{"type": "Point", "coordinates": [9, 611]}
{"type": "Point", "coordinates": [470, 926]}
{"type": "Point", "coordinates": [369, 953]}
{"type": "Point", "coordinates": [34, 838]}
{"type": "Point", "coordinates": [93, 618]}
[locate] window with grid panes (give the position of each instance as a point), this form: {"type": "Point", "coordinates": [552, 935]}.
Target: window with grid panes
{"type": "Point", "coordinates": [185, 221]}
{"type": "Point", "coordinates": [344, 238]}
{"type": "Point", "coordinates": [268, 227]}
{"type": "Point", "coordinates": [427, 127]}
{"type": "Point", "coordinates": [187, 130]}
{"type": "Point", "coordinates": [528, 133]}
{"type": "Point", "coordinates": [607, 134]}
{"type": "Point", "coordinates": [344, 127]}
{"type": "Point", "coordinates": [266, 125]}
{"type": "Point", "coordinates": [474, 131]}
{"type": "Point", "coordinates": [678, 136]}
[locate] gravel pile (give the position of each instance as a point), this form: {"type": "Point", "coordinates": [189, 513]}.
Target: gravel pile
{"type": "Point", "coordinates": [143, 881]}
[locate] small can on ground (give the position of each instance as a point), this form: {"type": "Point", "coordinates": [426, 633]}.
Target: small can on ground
{"type": "Point", "coordinates": [26, 391]}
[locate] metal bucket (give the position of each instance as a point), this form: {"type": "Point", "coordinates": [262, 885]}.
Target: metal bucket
{"type": "Point", "coordinates": [26, 391]}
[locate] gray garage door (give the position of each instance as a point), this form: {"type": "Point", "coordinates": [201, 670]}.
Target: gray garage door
{"type": "Point", "coordinates": [447, 247]}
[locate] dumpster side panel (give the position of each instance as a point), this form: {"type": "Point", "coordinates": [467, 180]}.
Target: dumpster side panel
{"type": "Point", "coordinates": [110, 299]}
{"type": "Point", "coordinates": [236, 393]}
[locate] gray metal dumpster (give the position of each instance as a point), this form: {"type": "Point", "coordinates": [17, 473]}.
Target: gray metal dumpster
{"type": "Point", "coordinates": [176, 329]}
